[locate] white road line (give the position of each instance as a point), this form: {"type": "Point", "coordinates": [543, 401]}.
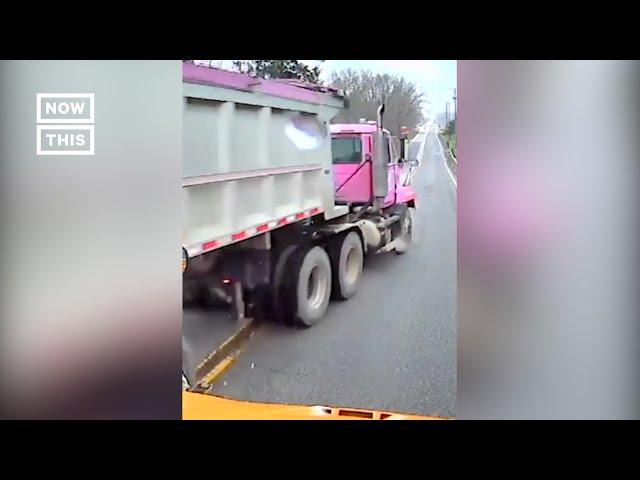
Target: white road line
{"type": "Point", "coordinates": [421, 149]}
{"type": "Point", "coordinates": [445, 162]}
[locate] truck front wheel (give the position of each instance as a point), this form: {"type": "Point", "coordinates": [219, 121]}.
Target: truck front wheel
{"type": "Point", "coordinates": [405, 238]}
{"type": "Point", "coordinates": [347, 257]}
{"type": "Point", "coordinates": [312, 288]}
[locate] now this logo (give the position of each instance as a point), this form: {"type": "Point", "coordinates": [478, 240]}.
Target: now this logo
{"type": "Point", "coordinates": [65, 124]}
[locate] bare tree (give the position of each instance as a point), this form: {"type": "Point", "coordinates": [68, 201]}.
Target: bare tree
{"type": "Point", "coordinates": [366, 91]}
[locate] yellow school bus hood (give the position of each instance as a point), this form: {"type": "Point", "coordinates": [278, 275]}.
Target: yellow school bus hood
{"type": "Point", "coordinates": [200, 406]}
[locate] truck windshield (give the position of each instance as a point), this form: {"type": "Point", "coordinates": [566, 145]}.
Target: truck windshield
{"type": "Point", "coordinates": [346, 150]}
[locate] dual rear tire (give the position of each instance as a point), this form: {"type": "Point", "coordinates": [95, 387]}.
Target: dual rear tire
{"type": "Point", "coordinates": [347, 258]}
{"type": "Point", "coordinates": [317, 276]}
{"type": "Point", "coordinates": [312, 288]}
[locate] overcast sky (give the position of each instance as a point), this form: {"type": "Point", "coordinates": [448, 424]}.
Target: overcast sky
{"type": "Point", "coordinates": [436, 78]}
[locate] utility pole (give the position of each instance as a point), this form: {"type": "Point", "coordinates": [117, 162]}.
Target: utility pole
{"type": "Point", "coordinates": [455, 106]}
{"type": "Point", "coordinates": [446, 115]}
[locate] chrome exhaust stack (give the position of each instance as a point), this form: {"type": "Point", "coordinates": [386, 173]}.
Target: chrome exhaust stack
{"type": "Point", "coordinates": [379, 179]}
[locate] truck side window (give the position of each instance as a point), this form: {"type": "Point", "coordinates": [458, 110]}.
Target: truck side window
{"type": "Point", "coordinates": [346, 150]}
{"type": "Point", "coordinates": [395, 149]}
{"type": "Point", "coordinates": [386, 149]}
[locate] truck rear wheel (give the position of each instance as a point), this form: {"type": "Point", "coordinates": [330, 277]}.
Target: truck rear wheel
{"type": "Point", "coordinates": [312, 286]}
{"type": "Point", "coordinates": [347, 257]}
{"type": "Point", "coordinates": [281, 301]}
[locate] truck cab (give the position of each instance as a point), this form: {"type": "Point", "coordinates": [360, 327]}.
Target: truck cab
{"type": "Point", "coordinates": [354, 155]}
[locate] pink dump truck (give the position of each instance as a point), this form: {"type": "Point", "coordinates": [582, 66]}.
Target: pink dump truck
{"type": "Point", "coordinates": [281, 207]}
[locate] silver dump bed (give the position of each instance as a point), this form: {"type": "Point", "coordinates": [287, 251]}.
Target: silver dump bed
{"type": "Point", "coordinates": [242, 173]}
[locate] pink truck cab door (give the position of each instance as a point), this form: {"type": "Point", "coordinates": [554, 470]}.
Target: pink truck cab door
{"type": "Point", "coordinates": [351, 170]}
{"type": "Point", "coordinates": [390, 158]}
{"type": "Point", "coordinates": [397, 173]}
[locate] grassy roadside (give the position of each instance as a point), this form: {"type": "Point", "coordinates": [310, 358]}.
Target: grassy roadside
{"type": "Point", "coordinates": [449, 141]}
{"type": "Point", "coordinates": [453, 143]}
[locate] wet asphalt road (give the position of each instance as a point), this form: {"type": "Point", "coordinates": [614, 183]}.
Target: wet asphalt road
{"type": "Point", "coordinates": [393, 345]}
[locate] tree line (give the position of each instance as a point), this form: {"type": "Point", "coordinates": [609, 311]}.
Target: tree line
{"type": "Point", "coordinates": [365, 90]}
